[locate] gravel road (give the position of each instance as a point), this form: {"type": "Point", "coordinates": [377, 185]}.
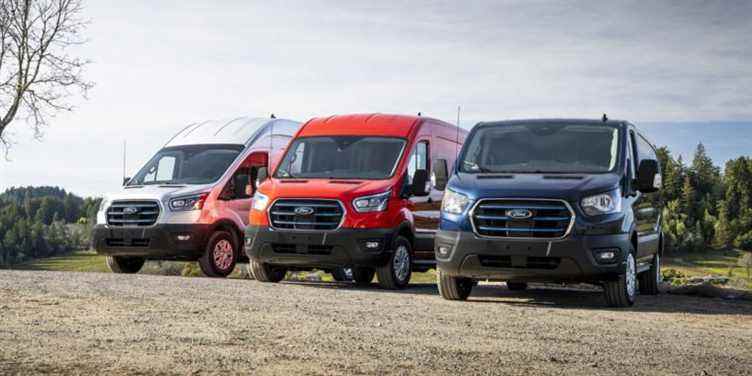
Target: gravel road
{"type": "Point", "coordinates": [93, 323]}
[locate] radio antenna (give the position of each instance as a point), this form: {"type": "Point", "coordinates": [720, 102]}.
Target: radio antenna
{"type": "Point", "coordinates": [124, 157]}
{"type": "Point", "coordinates": [457, 144]}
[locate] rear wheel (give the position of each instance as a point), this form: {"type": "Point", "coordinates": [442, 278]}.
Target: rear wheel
{"type": "Point", "coordinates": [395, 274]}
{"type": "Point", "coordinates": [124, 264]}
{"type": "Point", "coordinates": [267, 273]}
{"type": "Point", "coordinates": [454, 288]}
{"type": "Point", "coordinates": [220, 255]}
{"type": "Point", "coordinates": [516, 286]}
{"type": "Point", "coordinates": [651, 278]}
{"type": "Point", "coordinates": [363, 276]}
{"type": "Point", "coordinates": [340, 274]}
{"type": "Point", "coordinates": [621, 292]}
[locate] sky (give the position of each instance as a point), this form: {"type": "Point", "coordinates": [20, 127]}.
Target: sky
{"type": "Point", "coordinates": [159, 65]}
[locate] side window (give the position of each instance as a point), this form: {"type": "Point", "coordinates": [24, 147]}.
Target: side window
{"type": "Point", "coordinates": [418, 159]}
{"type": "Point", "coordinates": [236, 187]}
{"type": "Point", "coordinates": [645, 149]}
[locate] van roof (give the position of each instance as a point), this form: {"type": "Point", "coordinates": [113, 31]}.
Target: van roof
{"type": "Point", "coordinates": [553, 122]}
{"type": "Point", "coordinates": [361, 125]}
{"type": "Point", "coordinates": [238, 131]}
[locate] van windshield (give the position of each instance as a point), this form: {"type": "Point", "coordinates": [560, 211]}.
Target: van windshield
{"type": "Point", "coordinates": [190, 164]}
{"type": "Point", "coordinates": [542, 148]}
{"type": "Point", "coordinates": [341, 157]}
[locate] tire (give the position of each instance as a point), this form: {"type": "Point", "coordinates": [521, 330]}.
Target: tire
{"type": "Point", "coordinates": [395, 274]}
{"type": "Point", "coordinates": [220, 255]}
{"type": "Point", "coordinates": [454, 288]}
{"type": "Point", "coordinates": [651, 278]}
{"type": "Point", "coordinates": [363, 276]}
{"type": "Point", "coordinates": [340, 274]}
{"type": "Point", "coordinates": [266, 273]}
{"type": "Point", "coordinates": [124, 264]}
{"type": "Point", "coordinates": [621, 292]}
{"type": "Point", "coordinates": [516, 286]}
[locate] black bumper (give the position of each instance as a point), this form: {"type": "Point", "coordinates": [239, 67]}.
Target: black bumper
{"type": "Point", "coordinates": [158, 242]}
{"type": "Point", "coordinates": [570, 260]}
{"type": "Point", "coordinates": [306, 249]}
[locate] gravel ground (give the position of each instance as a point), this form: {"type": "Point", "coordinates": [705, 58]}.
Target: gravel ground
{"type": "Point", "coordinates": [95, 323]}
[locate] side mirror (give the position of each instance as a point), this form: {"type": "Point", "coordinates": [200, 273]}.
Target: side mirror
{"type": "Point", "coordinates": [440, 175]}
{"type": "Point", "coordinates": [648, 178]}
{"type": "Point", "coordinates": [261, 175]}
{"type": "Point", "coordinates": [421, 185]}
{"type": "Point", "coordinates": [125, 181]}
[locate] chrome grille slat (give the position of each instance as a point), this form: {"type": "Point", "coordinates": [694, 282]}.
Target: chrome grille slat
{"type": "Point", "coordinates": [547, 219]}
{"type": "Point", "coordinates": [146, 213]}
{"type": "Point", "coordinates": [326, 215]}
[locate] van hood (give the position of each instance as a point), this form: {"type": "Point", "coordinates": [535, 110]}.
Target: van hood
{"type": "Point", "coordinates": [570, 187]}
{"type": "Point", "coordinates": [160, 193]}
{"type": "Point", "coordinates": [341, 189]}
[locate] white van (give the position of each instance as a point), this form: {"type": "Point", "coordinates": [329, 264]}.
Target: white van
{"type": "Point", "coordinates": [192, 199]}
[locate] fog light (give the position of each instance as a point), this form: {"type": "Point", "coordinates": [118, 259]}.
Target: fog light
{"type": "Point", "coordinates": [606, 254]}
{"type": "Point", "coordinates": [184, 238]}
{"type": "Point", "coordinates": [373, 244]}
{"type": "Point", "coordinates": [443, 250]}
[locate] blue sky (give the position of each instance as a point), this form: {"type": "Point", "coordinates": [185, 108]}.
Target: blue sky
{"type": "Point", "coordinates": [160, 65]}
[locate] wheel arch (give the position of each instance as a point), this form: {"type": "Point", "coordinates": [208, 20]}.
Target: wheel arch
{"type": "Point", "coordinates": [229, 226]}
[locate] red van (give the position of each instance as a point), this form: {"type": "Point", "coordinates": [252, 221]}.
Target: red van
{"type": "Point", "coordinates": [354, 191]}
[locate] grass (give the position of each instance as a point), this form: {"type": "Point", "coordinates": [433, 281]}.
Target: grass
{"type": "Point", "coordinates": [78, 261]}
{"type": "Point", "coordinates": [723, 263]}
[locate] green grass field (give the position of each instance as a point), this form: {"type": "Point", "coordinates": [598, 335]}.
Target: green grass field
{"type": "Point", "coordinates": [711, 262]}
{"type": "Point", "coordinates": [725, 263]}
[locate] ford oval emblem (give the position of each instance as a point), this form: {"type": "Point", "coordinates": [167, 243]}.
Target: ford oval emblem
{"type": "Point", "coordinates": [519, 213]}
{"type": "Point", "coordinates": [129, 210]}
{"type": "Point", "coordinates": [304, 210]}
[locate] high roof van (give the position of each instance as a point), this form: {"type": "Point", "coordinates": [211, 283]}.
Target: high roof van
{"type": "Point", "coordinates": [191, 200]}
{"type": "Point", "coordinates": [354, 191]}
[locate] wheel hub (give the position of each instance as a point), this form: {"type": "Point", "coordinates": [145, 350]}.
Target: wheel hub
{"type": "Point", "coordinates": [401, 263]}
{"type": "Point", "coordinates": [223, 253]}
{"type": "Point", "coordinates": [631, 276]}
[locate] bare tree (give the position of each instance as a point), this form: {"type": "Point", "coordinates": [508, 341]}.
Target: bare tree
{"type": "Point", "coordinates": [37, 72]}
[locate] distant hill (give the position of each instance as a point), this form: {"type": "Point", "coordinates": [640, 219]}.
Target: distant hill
{"type": "Point", "coordinates": [723, 140]}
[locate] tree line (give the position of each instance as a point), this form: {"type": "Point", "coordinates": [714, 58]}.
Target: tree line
{"type": "Point", "coordinates": [38, 222]}
{"type": "Point", "coordinates": [705, 207]}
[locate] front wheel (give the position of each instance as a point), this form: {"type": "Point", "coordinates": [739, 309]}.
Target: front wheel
{"type": "Point", "coordinates": [621, 292]}
{"type": "Point", "coordinates": [454, 288]}
{"type": "Point", "coordinates": [125, 265]}
{"type": "Point", "coordinates": [220, 255]}
{"type": "Point", "coordinates": [395, 274]}
{"type": "Point", "coordinates": [651, 278]}
{"type": "Point", "coordinates": [266, 273]}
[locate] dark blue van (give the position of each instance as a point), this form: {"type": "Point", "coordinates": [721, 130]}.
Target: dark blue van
{"type": "Point", "coordinates": [552, 201]}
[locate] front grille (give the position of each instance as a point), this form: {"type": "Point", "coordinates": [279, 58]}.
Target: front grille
{"type": "Point", "coordinates": [296, 214]}
{"type": "Point", "coordinates": [505, 218]}
{"type": "Point", "coordinates": [133, 213]}
{"type": "Point", "coordinates": [520, 262]}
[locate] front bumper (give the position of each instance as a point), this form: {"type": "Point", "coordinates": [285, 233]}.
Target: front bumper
{"type": "Point", "coordinates": [569, 260]}
{"type": "Point", "coordinates": [305, 249]}
{"type": "Point", "coordinates": [158, 242]}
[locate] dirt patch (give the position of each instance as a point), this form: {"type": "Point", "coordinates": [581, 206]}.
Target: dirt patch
{"type": "Point", "coordinates": [95, 323]}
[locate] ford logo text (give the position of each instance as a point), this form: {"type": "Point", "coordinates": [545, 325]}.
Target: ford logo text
{"type": "Point", "coordinates": [519, 213]}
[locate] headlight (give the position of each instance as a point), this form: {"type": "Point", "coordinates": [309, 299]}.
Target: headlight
{"type": "Point", "coordinates": [454, 203]}
{"type": "Point", "coordinates": [260, 201]}
{"type": "Point", "coordinates": [188, 203]}
{"type": "Point", "coordinates": [372, 203]}
{"type": "Point", "coordinates": [103, 204]}
{"type": "Point", "coordinates": [604, 203]}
